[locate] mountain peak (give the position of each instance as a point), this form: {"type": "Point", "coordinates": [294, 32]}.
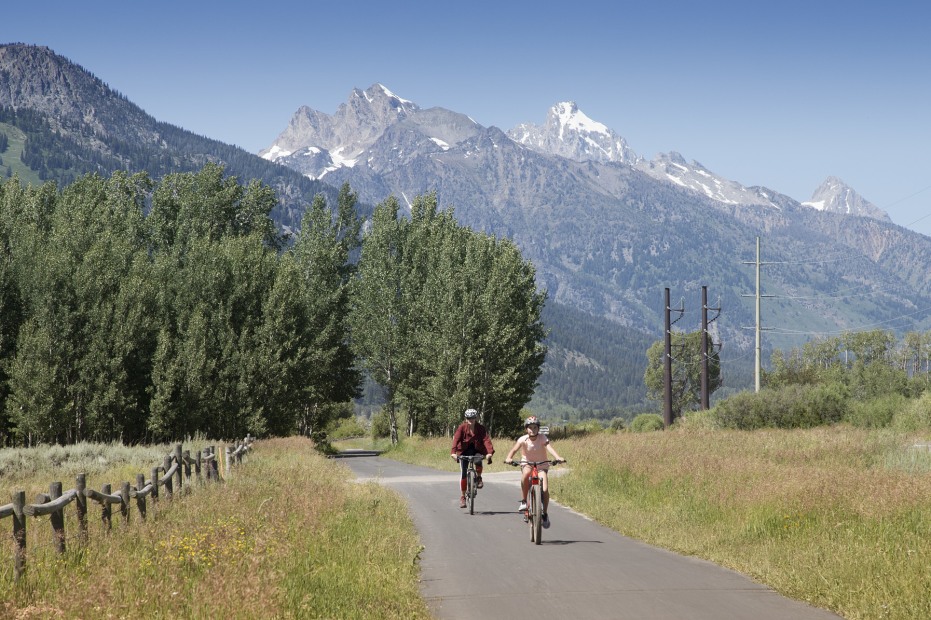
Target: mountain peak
{"type": "Point", "coordinates": [379, 91]}
{"type": "Point", "coordinates": [569, 132]}
{"type": "Point", "coordinates": [835, 196]}
{"type": "Point", "coordinates": [343, 135]}
{"type": "Point", "coordinates": [567, 115]}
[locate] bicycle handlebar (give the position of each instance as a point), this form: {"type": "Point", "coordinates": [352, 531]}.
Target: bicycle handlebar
{"type": "Point", "coordinates": [551, 462]}
{"type": "Point", "coordinates": [475, 458]}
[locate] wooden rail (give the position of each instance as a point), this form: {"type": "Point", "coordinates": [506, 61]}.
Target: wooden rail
{"type": "Point", "coordinates": [172, 474]}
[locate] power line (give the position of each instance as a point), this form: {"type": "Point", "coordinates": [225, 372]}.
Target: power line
{"type": "Point", "coordinates": [866, 327]}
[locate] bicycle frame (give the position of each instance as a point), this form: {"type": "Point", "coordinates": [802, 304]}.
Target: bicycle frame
{"type": "Point", "coordinates": [534, 513]}
{"type": "Point", "coordinates": [471, 476]}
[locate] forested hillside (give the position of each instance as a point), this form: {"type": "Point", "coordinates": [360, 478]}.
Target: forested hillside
{"type": "Point", "coordinates": [593, 365]}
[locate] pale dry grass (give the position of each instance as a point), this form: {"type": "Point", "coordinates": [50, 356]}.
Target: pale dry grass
{"type": "Point", "coordinates": [835, 516]}
{"type": "Point", "coordinates": [288, 535]}
{"type": "Point", "coordinates": [824, 515]}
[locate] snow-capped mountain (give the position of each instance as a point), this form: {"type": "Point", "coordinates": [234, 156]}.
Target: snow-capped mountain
{"type": "Point", "coordinates": [315, 142]}
{"type": "Point", "coordinates": [604, 226]}
{"type": "Point", "coordinates": [569, 133]}
{"type": "Point", "coordinates": [835, 196]}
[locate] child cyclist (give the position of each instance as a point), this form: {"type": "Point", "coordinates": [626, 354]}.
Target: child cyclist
{"type": "Point", "coordinates": [533, 448]}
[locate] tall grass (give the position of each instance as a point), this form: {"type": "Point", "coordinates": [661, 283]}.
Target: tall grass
{"type": "Point", "coordinates": [287, 536]}
{"type": "Point", "coordinates": [836, 516]}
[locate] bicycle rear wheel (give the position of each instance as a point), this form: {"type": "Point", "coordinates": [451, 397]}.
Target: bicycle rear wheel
{"type": "Point", "coordinates": [537, 517]}
{"type": "Point", "coordinates": [470, 490]}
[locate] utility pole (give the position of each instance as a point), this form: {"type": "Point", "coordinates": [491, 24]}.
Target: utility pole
{"type": "Point", "coordinates": [667, 366]}
{"type": "Point", "coordinates": [667, 362]}
{"type": "Point", "coordinates": [758, 366]}
{"type": "Point", "coordinates": [705, 396]}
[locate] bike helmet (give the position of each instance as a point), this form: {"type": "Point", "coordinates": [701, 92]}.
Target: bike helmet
{"type": "Point", "coordinates": [471, 414]}
{"type": "Point", "coordinates": [531, 421]}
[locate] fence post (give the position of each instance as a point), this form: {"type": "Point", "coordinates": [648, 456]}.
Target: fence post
{"type": "Point", "coordinates": [186, 456]}
{"type": "Point", "coordinates": [214, 464]}
{"type": "Point", "coordinates": [197, 465]}
{"type": "Point", "coordinates": [227, 460]}
{"type": "Point", "coordinates": [80, 485]}
{"type": "Point", "coordinates": [106, 512]}
{"type": "Point", "coordinates": [155, 485]}
{"type": "Point", "coordinates": [169, 490]}
{"type": "Point", "coordinates": [140, 499]}
{"type": "Point", "coordinates": [179, 473]}
{"type": "Point", "coordinates": [57, 518]}
{"type": "Point", "coordinates": [124, 505]}
{"type": "Point", "coordinates": [19, 534]}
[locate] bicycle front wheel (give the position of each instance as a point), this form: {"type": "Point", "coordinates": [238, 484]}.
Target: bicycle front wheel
{"type": "Point", "coordinates": [470, 491]}
{"type": "Point", "coordinates": [537, 523]}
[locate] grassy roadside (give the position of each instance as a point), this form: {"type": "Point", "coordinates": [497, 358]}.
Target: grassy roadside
{"type": "Point", "coordinates": [838, 517]}
{"type": "Point", "coordinates": [287, 536]}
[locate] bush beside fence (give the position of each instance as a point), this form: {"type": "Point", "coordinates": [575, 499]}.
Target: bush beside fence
{"type": "Point", "coordinates": [174, 475]}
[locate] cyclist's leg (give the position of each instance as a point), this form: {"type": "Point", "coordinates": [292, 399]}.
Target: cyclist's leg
{"type": "Point", "coordinates": [525, 480]}
{"type": "Point", "coordinates": [545, 488]}
{"type": "Point", "coordinates": [463, 468]}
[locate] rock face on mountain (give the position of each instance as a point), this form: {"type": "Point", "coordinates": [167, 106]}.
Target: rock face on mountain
{"type": "Point", "coordinates": [835, 196]}
{"type": "Point", "coordinates": [34, 78]}
{"type": "Point", "coordinates": [608, 230]}
{"type": "Point", "coordinates": [76, 124]}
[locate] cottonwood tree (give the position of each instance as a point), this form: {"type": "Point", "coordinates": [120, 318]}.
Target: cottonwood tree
{"type": "Point", "coordinates": [686, 376]}
{"type": "Point", "coordinates": [378, 318]}
{"type": "Point", "coordinates": [460, 311]}
{"type": "Point", "coordinates": [322, 257]}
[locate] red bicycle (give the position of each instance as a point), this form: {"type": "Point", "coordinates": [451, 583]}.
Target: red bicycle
{"type": "Point", "coordinates": [534, 512]}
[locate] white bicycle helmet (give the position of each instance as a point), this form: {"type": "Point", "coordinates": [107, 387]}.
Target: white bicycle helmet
{"type": "Point", "coordinates": [471, 414]}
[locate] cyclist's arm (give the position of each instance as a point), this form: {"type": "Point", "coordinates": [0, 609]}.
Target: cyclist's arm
{"type": "Point", "coordinates": [555, 455]}
{"type": "Point", "coordinates": [456, 450]}
{"type": "Point", "coordinates": [486, 439]}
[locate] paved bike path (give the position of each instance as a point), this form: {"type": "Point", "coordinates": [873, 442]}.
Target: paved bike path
{"type": "Point", "coordinates": [484, 565]}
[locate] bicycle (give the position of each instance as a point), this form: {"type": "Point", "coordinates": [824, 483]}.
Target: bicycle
{"type": "Point", "coordinates": [534, 512]}
{"type": "Point", "coordinates": [472, 479]}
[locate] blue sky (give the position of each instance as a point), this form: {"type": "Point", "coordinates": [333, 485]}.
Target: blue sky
{"type": "Point", "coordinates": [782, 94]}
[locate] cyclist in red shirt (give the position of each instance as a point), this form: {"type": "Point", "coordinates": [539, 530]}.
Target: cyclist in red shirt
{"type": "Point", "coordinates": [471, 438]}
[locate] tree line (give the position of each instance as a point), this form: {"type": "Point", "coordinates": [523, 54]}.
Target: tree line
{"type": "Point", "coordinates": [147, 311]}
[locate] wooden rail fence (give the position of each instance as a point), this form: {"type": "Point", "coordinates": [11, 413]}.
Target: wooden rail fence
{"type": "Point", "coordinates": [174, 472]}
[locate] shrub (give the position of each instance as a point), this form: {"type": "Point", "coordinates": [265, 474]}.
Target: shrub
{"type": "Point", "coordinates": [646, 422]}
{"type": "Point", "coordinates": [345, 428]}
{"type": "Point", "coordinates": [617, 424]}
{"type": "Point", "coordinates": [791, 406]}
{"type": "Point", "coordinates": [876, 412]}
{"type": "Point", "coordinates": [381, 424]}
{"type": "Point", "coordinates": [915, 416]}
